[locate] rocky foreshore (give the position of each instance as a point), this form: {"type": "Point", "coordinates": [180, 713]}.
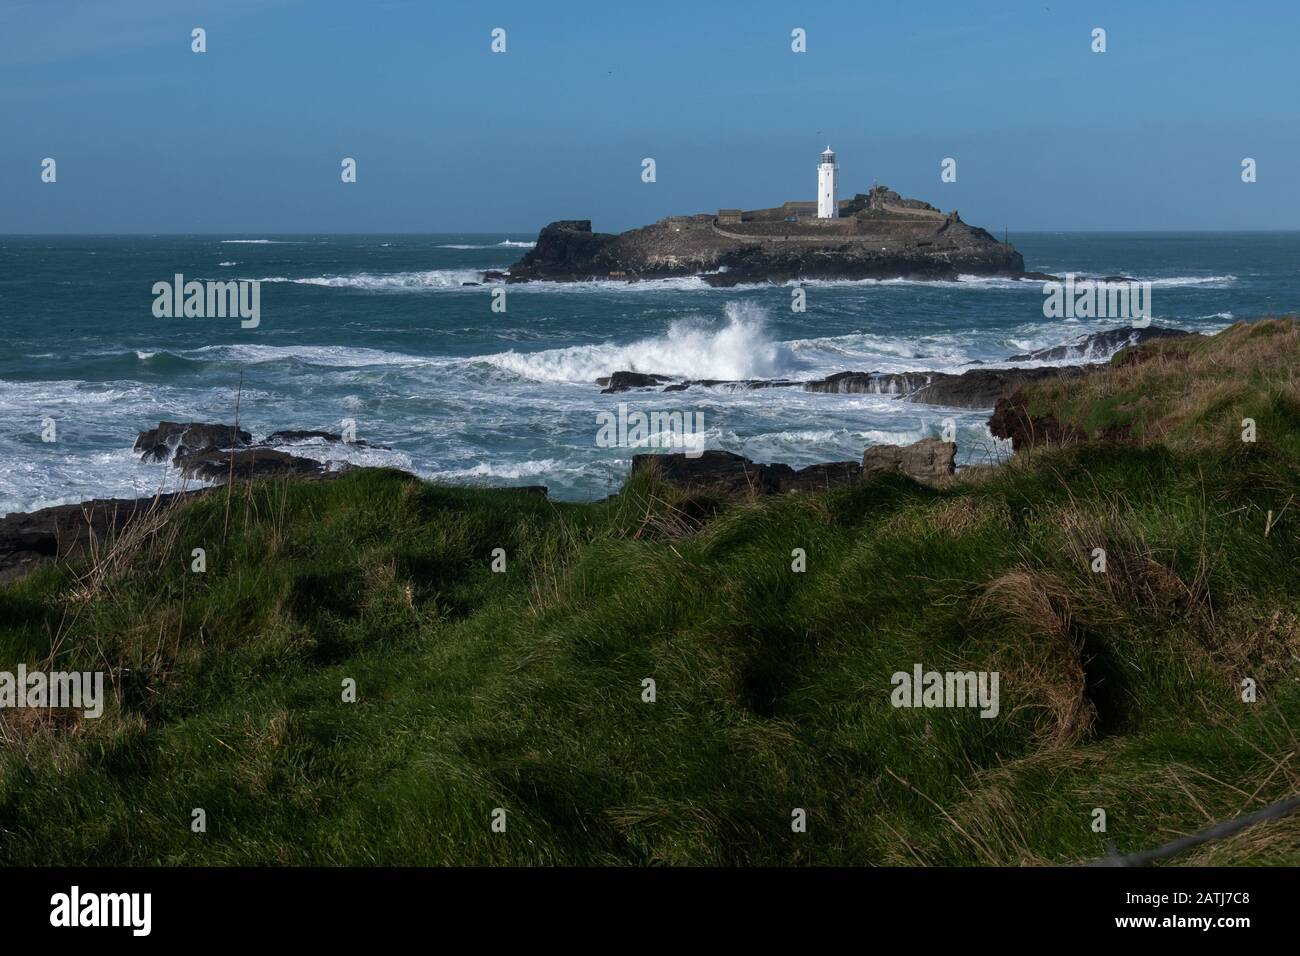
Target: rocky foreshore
{"type": "Point", "coordinates": [199, 450]}
{"type": "Point", "coordinates": [218, 453]}
{"type": "Point", "coordinates": [976, 388]}
{"type": "Point", "coordinates": [208, 452]}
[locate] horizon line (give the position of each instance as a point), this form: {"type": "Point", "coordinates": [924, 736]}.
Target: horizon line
{"type": "Point", "coordinates": [523, 232]}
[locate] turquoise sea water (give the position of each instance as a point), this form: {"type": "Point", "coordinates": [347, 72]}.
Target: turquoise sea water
{"type": "Point", "coordinates": [383, 331]}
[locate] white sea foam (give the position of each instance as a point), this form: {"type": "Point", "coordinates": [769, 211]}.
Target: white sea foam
{"type": "Point", "coordinates": [253, 242]}
{"type": "Point", "coordinates": [1160, 282]}
{"type": "Point", "coordinates": [361, 456]}
{"type": "Point", "coordinates": [532, 468]}
{"type": "Point", "coordinates": [390, 282]}
{"type": "Point", "coordinates": [506, 243]}
{"type": "Point", "coordinates": [865, 351]}
{"type": "Point", "coordinates": [437, 280]}
{"type": "Point", "coordinates": [676, 284]}
{"type": "Point", "coordinates": [961, 282]}
{"type": "Point", "coordinates": [738, 348]}
{"type": "Point", "coordinates": [334, 356]}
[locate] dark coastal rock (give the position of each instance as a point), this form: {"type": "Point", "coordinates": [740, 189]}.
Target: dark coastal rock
{"type": "Point", "coordinates": [981, 388]}
{"type": "Point", "coordinates": [624, 381]}
{"type": "Point", "coordinates": [1099, 345]}
{"type": "Point", "coordinates": [878, 235]}
{"type": "Point", "coordinates": [728, 472]}
{"type": "Point", "coordinates": [748, 383]}
{"type": "Point", "coordinates": [30, 539]}
{"type": "Point", "coordinates": [1011, 420]}
{"type": "Point", "coordinates": [721, 470]}
{"type": "Point", "coordinates": [821, 477]}
{"type": "Point", "coordinates": [926, 460]}
{"type": "Point", "coordinates": [207, 451]}
{"type": "Point", "coordinates": [567, 250]}
{"type": "Point", "coordinates": [871, 383]}
{"type": "Point", "coordinates": [244, 463]}
{"type": "Point", "coordinates": [976, 388]}
{"type": "Point", "coordinates": [171, 440]}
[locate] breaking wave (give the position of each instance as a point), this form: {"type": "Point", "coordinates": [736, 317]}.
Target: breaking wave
{"type": "Point", "coordinates": [738, 348]}
{"type": "Point", "coordinates": [1174, 281]}
{"type": "Point", "coordinates": [505, 243]}
{"type": "Point", "coordinates": [391, 282]}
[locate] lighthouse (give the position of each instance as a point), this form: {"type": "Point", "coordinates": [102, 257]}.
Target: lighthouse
{"type": "Point", "coordinates": [827, 207]}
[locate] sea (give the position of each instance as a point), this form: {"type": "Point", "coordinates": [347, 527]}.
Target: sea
{"type": "Point", "coordinates": [398, 335]}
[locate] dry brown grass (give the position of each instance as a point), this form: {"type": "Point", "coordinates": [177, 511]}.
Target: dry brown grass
{"type": "Point", "coordinates": [1135, 576]}
{"type": "Point", "coordinates": [1043, 667]}
{"type": "Point", "coordinates": [951, 518]}
{"type": "Point", "coordinates": [1193, 390]}
{"type": "Point", "coordinates": [54, 739]}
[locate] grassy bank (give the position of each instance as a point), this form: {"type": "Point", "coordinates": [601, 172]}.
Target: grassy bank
{"type": "Point", "coordinates": [523, 689]}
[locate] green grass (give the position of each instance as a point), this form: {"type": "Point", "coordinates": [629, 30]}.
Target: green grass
{"type": "Point", "coordinates": [523, 689]}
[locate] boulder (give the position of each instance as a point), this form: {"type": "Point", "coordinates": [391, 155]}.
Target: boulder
{"type": "Point", "coordinates": [821, 477]}
{"type": "Point", "coordinates": [30, 539]}
{"type": "Point", "coordinates": [172, 440]}
{"type": "Point", "coordinates": [926, 460]}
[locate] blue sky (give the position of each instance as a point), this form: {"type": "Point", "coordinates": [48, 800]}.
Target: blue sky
{"type": "Point", "coordinates": [248, 137]}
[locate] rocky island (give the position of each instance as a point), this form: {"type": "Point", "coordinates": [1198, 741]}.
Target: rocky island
{"type": "Point", "coordinates": [874, 235]}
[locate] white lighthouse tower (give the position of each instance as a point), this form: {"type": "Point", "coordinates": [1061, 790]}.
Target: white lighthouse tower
{"type": "Point", "coordinates": [827, 207]}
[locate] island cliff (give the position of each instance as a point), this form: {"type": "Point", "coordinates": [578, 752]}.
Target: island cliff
{"type": "Point", "coordinates": [878, 235]}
